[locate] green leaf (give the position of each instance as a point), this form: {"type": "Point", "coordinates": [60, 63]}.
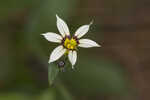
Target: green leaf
{"type": "Point", "coordinates": [52, 73]}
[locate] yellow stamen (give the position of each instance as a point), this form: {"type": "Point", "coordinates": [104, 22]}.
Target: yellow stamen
{"type": "Point", "coordinates": [70, 43]}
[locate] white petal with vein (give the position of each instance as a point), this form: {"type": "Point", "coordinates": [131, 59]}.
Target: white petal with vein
{"type": "Point", "coordinates": [52, 37]}
{"type": "Point", "coordinates": [62, 26]}
{"type": "Point", "coordinates": [72, 57]}
{"type": "Point", "coordinates": [87, 43]}
{"type": "Point", "coordinates": [57, 53]}
{"type": "Point", "coordinates": [81, 31]}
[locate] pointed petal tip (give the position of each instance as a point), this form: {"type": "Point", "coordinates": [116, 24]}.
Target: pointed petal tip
{"type": "Point", "coordinates": [57, 16]}
{"type": "Point", "coordinates": [72, 66]}
{"type": "Point", "coordinates": [99, 45]}
{"type": "Point", "coordinates": [50, 61]}
{"type": "Point", "coordinates": [91, 22]}
{"type": "Point", "coordinates": [42, 34]}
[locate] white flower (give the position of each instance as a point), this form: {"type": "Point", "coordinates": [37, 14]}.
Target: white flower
{"type": "Point", "coordinates": [68, 44]}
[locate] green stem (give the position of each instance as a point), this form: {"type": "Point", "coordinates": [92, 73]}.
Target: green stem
{"type": "Point", "coordinates": [67, 95]}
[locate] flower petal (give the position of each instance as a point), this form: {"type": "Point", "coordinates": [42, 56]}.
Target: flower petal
{"type": "Point", "coordinates": [87, 43]}
{"type": "Point", "coordinates": [52, 37]}
{"type": "Point", "coordinates": [72, 57]}
{"type": "Point", "coordinates": [82, 30]}
{"type": "Point", "coordinates": [62, 27]}
{"type": "Point", "coordinates": [57, 53]}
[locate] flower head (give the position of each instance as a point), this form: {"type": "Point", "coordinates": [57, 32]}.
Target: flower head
{"type": "Point", "coordinates": [68, 45]}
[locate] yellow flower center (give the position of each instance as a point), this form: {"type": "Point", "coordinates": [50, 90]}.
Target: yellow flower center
{"type": "Point", "coordinates": [70, 43]}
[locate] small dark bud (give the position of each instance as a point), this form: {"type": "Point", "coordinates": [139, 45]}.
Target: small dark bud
{"type": "Point", "coordinates": [61, 64]}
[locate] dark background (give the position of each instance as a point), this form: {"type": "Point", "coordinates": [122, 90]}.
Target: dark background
{"type": "Point", "coordinates": [119, 70]}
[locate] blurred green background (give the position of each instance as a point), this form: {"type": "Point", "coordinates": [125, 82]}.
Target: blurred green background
{"type": "Point", "coordinates": [119, 70]}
